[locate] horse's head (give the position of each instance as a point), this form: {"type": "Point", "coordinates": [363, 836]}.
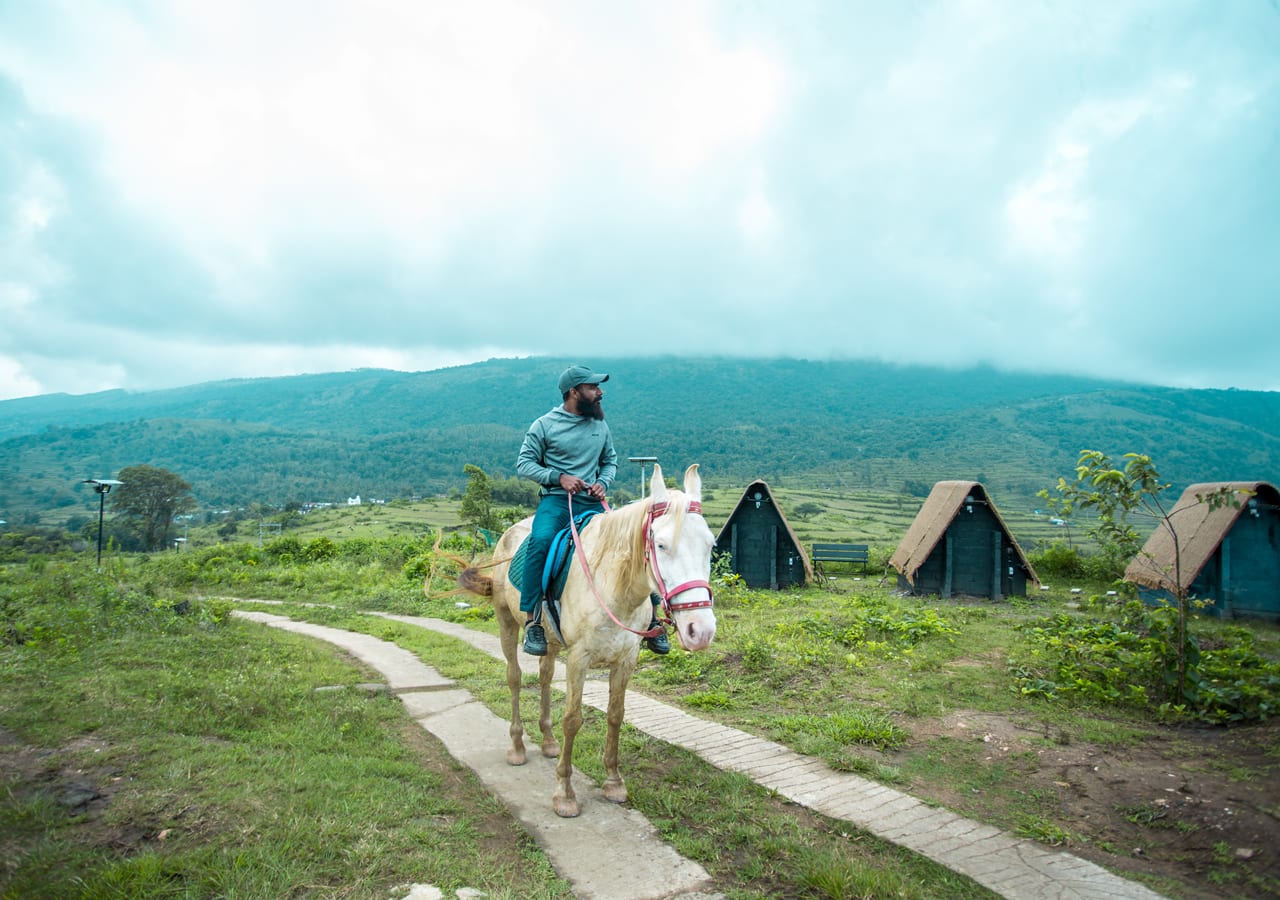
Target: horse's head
{"type": "Point", "coordinates": [679, 549]}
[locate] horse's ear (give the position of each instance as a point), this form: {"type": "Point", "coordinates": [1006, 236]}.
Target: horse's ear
{"type": "Point", "coordinates": [657, 487]}
{"type": "Point", "coordinates": [693, 483]}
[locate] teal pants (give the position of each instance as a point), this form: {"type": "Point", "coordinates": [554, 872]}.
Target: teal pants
{"type": "Point", "coordinates": [552, 515]}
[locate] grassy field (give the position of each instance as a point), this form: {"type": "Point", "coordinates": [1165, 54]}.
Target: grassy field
{"type": "Point", "coordinates": [149, 754]}
{"type": "Point", "coordinates": [152, 749]}
{"type": "Point", "coordinates": [151, 746]}
{"type": "Point", "coordinates": [923, 695]}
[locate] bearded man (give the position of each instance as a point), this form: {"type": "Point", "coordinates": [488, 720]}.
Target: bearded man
{"type": "Point", "coordinates": [569, 452]}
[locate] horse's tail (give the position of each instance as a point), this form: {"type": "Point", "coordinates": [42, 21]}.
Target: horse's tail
{"type": "Point", "coordinates": [471, 578]}
{"type": "Point", "coordinates": [474, 580]}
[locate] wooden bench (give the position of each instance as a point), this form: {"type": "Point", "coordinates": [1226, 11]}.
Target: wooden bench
{"type": "Point", "coordinates": [838, 553]}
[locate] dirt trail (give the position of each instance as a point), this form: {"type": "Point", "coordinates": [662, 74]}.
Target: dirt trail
{"type": "Point", "coordinates": [1200, 806]}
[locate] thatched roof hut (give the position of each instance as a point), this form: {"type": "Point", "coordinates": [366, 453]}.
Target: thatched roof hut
{"type": "Point", "coordinates": [758, 538]}
{"type": "Point", "coordinates": [959, 544]}
{"type": "Point", "coordinates": [1230, 554]}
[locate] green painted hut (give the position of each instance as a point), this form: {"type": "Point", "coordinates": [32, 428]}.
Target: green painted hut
{"type": "Point", "coordinates": [1230, 555]}
{"type": "Point", "coordinates": [759, 540]}
{"type": "Point", "coordinates": [959, 545]}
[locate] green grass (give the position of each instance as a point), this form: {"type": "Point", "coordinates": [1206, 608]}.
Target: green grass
{"type": "Point", "coordinates": [848, 674]}
{"type": "Point", "coordinates": [753, 843]}
{"type": "Point", "coordinates": [221, 771]}
{"type": "Point", "coordinates": [228, 774]}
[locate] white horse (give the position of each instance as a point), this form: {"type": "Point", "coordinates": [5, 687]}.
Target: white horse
{"type": "Point", "coordinates": [658, 544]}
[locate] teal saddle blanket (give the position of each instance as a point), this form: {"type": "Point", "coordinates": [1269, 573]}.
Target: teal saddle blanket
{"type": "Point", "coordinates": [559, 555]}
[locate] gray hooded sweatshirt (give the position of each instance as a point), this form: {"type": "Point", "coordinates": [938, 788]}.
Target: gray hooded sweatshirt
{"type": "Point", "coordinates": [561, 442]}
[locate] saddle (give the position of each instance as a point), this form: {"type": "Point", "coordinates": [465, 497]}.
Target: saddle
{"type": "Point", "coordinates": [556, 570]}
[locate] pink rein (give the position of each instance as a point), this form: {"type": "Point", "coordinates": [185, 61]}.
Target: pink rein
{"type": "Point", "coordinates": [651, 556]}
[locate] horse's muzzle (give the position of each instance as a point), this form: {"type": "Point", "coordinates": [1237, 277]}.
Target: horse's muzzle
{"type": "Point", "coordinates": [695, 628]}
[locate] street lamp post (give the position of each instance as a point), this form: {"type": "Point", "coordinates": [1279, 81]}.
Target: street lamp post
{"type": "Point", "coordinates": [102, 486]}
{"type": "Point", "coordinates": [643, 461]}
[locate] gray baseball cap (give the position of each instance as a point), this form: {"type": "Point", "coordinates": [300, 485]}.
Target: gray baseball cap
{"type": "Point", "coordinates": [575, 375]}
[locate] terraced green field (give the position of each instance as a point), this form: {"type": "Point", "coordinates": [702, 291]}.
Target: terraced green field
{"type": "Point", "coordinates": [878, 518]}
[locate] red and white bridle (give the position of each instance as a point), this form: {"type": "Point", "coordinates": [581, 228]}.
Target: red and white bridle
{"type": "Point", "coordinates": [651, 554]}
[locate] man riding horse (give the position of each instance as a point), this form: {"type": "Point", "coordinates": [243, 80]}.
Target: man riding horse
{"type": "Point", "coordinates": [569, 453]}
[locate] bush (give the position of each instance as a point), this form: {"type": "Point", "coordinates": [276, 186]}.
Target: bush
{"type": "Point", "coordinates": [1133, 662]}
{"type": "Point", "coordinates": [357, 549]}
{"type": "Point", "coordinates": [320, 549]}
{"type": "Point", "coordinates": [15, 546]}
{"type": "Point", "coordinates": [1059, 561]}
{"type": "Point", "coordinates": [419, 567]}
{"type": "Point", "coordinates": [284, 549]}
{"type": "Point", "coordinates": [60, 608]}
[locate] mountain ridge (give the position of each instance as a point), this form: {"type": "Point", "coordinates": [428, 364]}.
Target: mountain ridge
{"type": "Point", "coordinates": [847, 424]}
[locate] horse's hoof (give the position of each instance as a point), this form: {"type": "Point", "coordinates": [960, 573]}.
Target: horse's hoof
{"type": "Point", "coordinates": [551, 750]}
{"type": "Point", "coordinates": [565, 809]}
{"type": "Point", "coordinates": [515, 757]}
{"type": "Point", "coordinates": [615, 792]}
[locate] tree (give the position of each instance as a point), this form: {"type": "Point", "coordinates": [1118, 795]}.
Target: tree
{"type": "Point", "coordinates": [149, 500]}
{"type": "Point", "coordinates": [807, 510]}
{"type": "Point", "coordinates": [477, 500]}
{"type": "Point", "coordinates": [514, 492]}
{"type": "Point", "coordinates": [914, 487]}
{"type": "Point", "coordinates": [1115, 493]}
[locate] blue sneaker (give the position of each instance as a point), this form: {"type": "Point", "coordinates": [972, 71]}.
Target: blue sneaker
{"type": "Point", "coordinates": [535, 640]}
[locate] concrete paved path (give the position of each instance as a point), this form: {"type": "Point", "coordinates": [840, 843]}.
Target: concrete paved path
{"type": "Point", "coordinates": [1013, 867]}
{"type": "Point", "coordinates": [479, 739]}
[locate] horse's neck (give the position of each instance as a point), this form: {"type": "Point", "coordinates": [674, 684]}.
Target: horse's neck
{"type": "Point", "coordinates": [628, 584]}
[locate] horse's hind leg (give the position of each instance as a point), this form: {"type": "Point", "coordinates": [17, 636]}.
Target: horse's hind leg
{"type": "Point", "coordinates": [546, 674]}
{"type": "Point", "coordinates": [509, 637]}
{"type": "Point", "coordinates": [615, 788]}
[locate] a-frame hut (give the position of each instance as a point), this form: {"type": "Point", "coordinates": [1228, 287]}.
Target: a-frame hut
{"type": "Point", "coordinates": [959, 545]}
{"type": "Point", "coordinates": [761, 544]}
{"type": "Point", "coordinates": [1230, 555]}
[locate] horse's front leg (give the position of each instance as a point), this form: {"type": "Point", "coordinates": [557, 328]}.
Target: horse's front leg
{"type": "Point", "coordinates": [546, 674]}
{"type": "Point", "coordinates": [615, 788]}
{"type": "Point", "coordinates": [565, 802]}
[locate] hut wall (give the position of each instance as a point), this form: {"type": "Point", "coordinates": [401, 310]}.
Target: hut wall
{"type": "Point", "coordinates": [1243, 576]}
{"type": "Point", "coordinates": [975, 558]}
{"type": "Point", "coordinates": [761, 548]}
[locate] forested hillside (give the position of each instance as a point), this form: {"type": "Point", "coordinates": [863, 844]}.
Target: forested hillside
{"type": "Point", "coordinates": [839, 424]}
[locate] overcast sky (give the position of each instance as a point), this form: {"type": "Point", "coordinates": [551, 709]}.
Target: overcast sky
{"type": "Point", "coordinates": [200, 190]}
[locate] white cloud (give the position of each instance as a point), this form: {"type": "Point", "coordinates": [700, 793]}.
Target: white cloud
{"type": "Point", "coordinates": [1048, 214]}
{"type": "Point", "coordinates": [1051, 211]}
{"type": "Point", "coordinates": [757, 217]}
{"type": "Point", "coordinates": [294, 186]}
{"type": "Point", "coordinates": [15, 381]}
{"type": "Point", "coordinates": [241, 126]}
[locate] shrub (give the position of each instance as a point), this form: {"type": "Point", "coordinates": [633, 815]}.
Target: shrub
{"type": "Point", "coordinates": [419, 567]}
{"type": "Point", "coordinates": [284, 549]}
{"type": "Point", "coordinates": [1059, 561]}
{"type": "Point", "coordinates": [1134, 662]}
{"type": "Point", "coordinates": [320, 549]}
